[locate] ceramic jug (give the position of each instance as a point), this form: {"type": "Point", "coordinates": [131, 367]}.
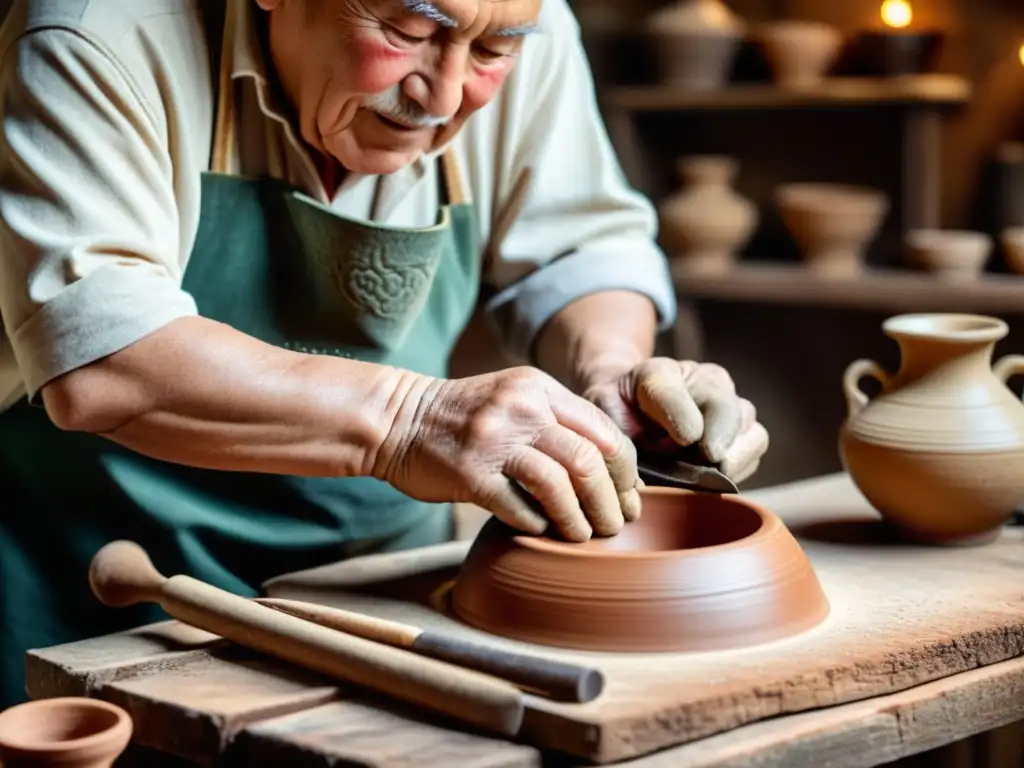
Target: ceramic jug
{"type": "Point", "coordinates": [706, 222]}
{"type": "Point", "coordinates": [940, 451]}
{"type": "Point", "coordinates": [69, 732]}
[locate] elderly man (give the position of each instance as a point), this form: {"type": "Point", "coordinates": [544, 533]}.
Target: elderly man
{"type": "Point", "coordinates": [238, 241]}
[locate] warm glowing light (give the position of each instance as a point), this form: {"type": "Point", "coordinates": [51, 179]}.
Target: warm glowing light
{"type": "Point", "coordinates": [1020, 54]}
{"type": "Point", "coordinates": [897, 13]}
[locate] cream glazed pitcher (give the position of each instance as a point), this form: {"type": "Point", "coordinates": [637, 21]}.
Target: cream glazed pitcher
{"type": "Point", "coordinates": [940, 451]}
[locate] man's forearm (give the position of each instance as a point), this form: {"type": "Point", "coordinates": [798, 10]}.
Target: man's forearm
{"type": "Point", "coordinates": [202, 394]}
{"type": "Point", "coordinates": [598, 338]}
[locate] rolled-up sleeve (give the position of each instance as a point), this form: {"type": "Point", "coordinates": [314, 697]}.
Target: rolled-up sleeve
{"type": "Point", "coordinates": [89, 230]}
{"type": "Point", "coordinates": [581, 229]}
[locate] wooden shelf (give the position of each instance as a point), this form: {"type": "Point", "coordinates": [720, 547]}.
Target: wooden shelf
{"type": "Point", "coordinates": [933, 90]}
{"type": "Point", "coordinates": [880, 290]}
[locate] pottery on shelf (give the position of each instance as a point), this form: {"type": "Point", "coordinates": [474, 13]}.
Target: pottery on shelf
{"type": "Point", "coordinates": [696, 42]}
{"type": "Point", "coordinates": [940, 451]}
{"type": "Point", "coordinates": [697, 572]}
{"type": "Point", "coordinates": [706, 222]}
{"type": "Point", "coordinates": [67, 732]}
{"type": "Point", "coordinates": [1012, 240]}
{"type": "Point", "coordinates": [832, 224]}
{"type": "Point", "coordinates": [800, 53]}
{"type": "Point", "coordinates": [950, 254]}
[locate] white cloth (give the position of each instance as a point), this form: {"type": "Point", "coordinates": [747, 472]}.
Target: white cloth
{"type": "Point", "coordinates": [107, 123]}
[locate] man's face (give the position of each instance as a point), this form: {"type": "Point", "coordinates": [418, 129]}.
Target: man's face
{"type": "Point", "coordinates": [376, 83]}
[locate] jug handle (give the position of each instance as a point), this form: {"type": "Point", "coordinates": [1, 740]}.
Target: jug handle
{"type": "Point", "coordinates": [857, 370]}
{"type": "Point", "coordinates": [1009, 366]}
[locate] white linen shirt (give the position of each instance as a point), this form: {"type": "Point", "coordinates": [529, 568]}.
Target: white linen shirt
{"type": "Point", "coordinates": [107, 125]}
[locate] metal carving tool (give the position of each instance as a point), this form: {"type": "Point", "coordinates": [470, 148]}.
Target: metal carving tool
{"type": "Point", "coordinates": [668, 469]}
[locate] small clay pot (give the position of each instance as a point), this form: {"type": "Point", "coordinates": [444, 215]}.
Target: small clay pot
{"type": "Point", "coordinates": [66, 732]}
{"type": "Point", "coordinates": [950, 254]}
{"type": "Point", "coordinates": [832, 224]}
{"type": "Point", "coordinates": [696, 572]}
{"type": "Point", "coordinates": [799, 52]}
{"type": "Point", "coordinates": [1013, 248]}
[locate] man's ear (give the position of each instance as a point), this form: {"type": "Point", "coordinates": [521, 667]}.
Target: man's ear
{"type": "Point", "coordinates": [268, 5]}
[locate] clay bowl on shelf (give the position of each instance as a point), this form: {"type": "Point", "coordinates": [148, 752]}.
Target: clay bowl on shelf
{"type": "Point", "coordinates": [949, 254]}
{"type": "Point", "coordinates": [799, 52]}
{"type": "Point", "coordinates": [697, 572]}
{"type": "Point", "coordinates": [832, 224]}
{"type": "Point", "coordinates": [1013, 248]}
{"type": "Point", "coordinates": [71, 732]}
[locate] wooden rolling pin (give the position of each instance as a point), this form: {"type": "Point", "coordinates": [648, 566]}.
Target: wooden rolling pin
{"type": "Point", "coordinates": [554, 679]}
{"type": "Point", "coordinates": [122, 574]}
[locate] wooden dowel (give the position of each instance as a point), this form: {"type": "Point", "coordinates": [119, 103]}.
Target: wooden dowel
{"type": "Point", "coordinates": [122, 574]}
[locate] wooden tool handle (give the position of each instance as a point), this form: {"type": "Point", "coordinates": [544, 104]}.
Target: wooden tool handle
{"type": "Point", "coordinates": [122, 574]}
{"type": "Point", "coordinates": [547, 677]}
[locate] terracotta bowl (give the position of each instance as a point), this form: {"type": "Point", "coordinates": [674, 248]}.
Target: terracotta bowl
{"type": "Point", "coordinates": [1013, 248]}
{"type": "Point", "coordinates": [71, 732]}
{"type": "Point", "coordinates": [696, 572]}
{"type": "Point", "coordinates": [832, 223]}
{"type": "Point", "coordinates": [799, 52]}
{"type": "Point", "coordinates": [949, 254]}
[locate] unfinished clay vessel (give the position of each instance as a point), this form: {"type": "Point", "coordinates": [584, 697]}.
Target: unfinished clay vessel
{"type": "Point", "coordinates": [696, 42]}
{"type": "Point", "coordinates": [697, 572]}
{"type": "Point", "coordinates": [707, 222]}
{"type": "Point", "coordinates": [799, 52]}
{"type": "Point", "coordinates": [940, 451]}
{"type": "Point", "coordinates": [953, 255]}
{"type": "Point", "coordinates": [66, 732]}
{"type": "Point", "coordinates": [832, 224]}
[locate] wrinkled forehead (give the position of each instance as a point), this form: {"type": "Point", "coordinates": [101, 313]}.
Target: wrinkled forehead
{"type": "Point", "coordinates": [475, 17]}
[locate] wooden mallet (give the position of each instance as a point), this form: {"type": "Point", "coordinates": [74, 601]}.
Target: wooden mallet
{"type": "Point", "coordinates": [122, 574]}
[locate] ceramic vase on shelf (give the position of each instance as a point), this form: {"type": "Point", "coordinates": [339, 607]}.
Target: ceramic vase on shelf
{"type": "Point", "coordinates": [696, 41]}
{"type": "Point", "coordinates": [800, 52]}
{"type": "Point", "coordinates": [940, 451]}
{"type": "Point", "coordinates": [706, 222]}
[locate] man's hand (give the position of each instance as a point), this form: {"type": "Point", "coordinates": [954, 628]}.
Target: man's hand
{"type": "Point", "coordinates": [516, 443]}
{"type": "Point", "coordinates": [663, 403]}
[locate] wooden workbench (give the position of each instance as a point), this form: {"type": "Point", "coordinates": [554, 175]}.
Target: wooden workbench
{"type": "Point", "coordinates": [923, 649]}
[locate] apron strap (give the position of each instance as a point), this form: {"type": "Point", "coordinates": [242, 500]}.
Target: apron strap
{"type": "Point", "coordinates": [223, 146]}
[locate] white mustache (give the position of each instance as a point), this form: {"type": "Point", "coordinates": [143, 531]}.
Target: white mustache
{"type": "Point", "coordinates": [393, 105]}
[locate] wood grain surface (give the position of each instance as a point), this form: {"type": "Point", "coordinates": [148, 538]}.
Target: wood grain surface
{"type": "Point", "coordinates": [902, 617]}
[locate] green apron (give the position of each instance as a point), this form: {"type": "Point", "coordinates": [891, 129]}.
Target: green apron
{"type": "Point", "coordinates": [274, 264]}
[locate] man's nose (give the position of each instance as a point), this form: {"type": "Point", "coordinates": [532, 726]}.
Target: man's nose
{"type": "Point", "coordinates": [438, 90]}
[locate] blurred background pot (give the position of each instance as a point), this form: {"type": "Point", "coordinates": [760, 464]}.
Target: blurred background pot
{"type": "Point", "coordinates": [832, 224]}
{"type": "Point", "coordinates": [799, 52]}
{"type": "Point", "coordinates": [697, 42]}
{"type": "Point", "coordinates": [949, 254]}
{"type": "Point", "coordinates": [707, 222]}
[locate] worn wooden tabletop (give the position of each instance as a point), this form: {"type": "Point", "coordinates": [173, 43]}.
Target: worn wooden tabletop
{"type": "Point", "coordinates": [923, 649]}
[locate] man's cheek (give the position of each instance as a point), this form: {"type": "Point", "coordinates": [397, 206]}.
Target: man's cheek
{"type": "Point", "coordinates": [374, 66]}
{"type": "Point", "coordinates": [484, 84]}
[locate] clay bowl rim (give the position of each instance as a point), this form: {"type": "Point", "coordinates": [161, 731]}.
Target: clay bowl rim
{"type": "Point", "coordinates": [823, 197]}
{"type": "Point", "coordinates": [785, 28]}
{"type": "Point", "coordinates": [119, 728]}
{"type": "Point", "coordinates": [770, 524]}
{"type": "Point", "coordinates": [935, 239]}
{"type": "Point", "coordinates": [942, 326]}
